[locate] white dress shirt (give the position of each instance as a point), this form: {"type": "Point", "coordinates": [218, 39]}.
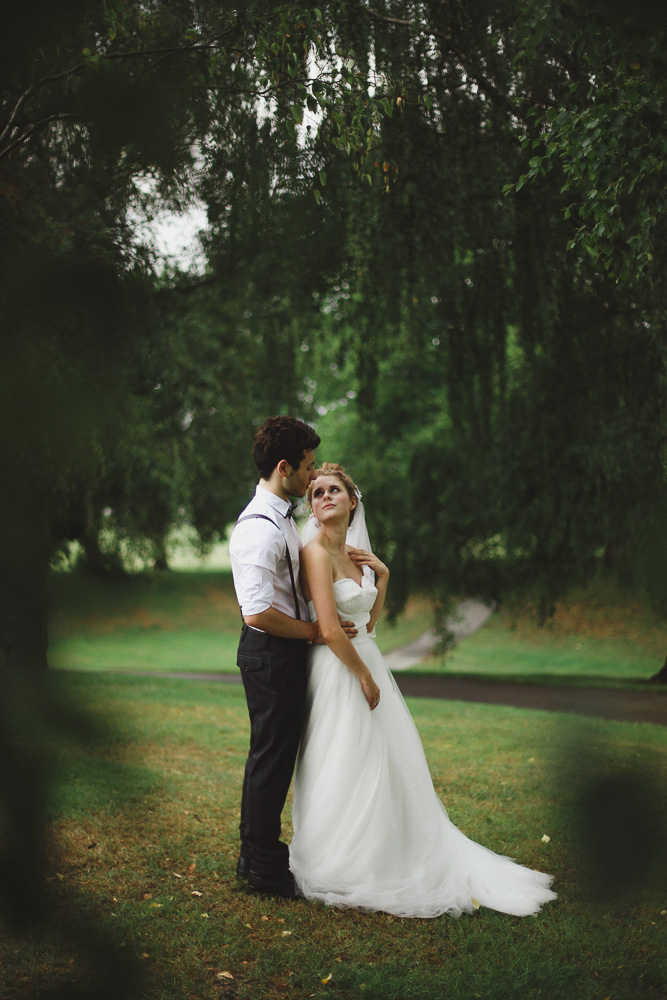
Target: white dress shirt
{"type": "Point", "coordinates": [257, 553]}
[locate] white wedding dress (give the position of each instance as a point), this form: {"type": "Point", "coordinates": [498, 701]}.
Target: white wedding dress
{"type": "Point", "coordinates": [369, 829]}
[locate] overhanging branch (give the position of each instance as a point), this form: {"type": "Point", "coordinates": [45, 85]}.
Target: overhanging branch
{"type": "Point", "coordinates": [484, 84]}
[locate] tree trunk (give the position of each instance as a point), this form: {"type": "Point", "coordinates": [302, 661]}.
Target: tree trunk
{"type": "Point", "coordinates": [161, 563]}
{"type": "Point", "coordinates": [661, 676]}
{"type": "Point", "coordinates": [96, 561]}
{"type": "Point", "coordinates": [24, 565]}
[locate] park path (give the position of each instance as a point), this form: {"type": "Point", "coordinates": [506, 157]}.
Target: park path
{"type": "Point", "coordinates": [618, 704]}
{"type": "Point", "coordinates": [621, 705]}
{"type": "Point", "coordinates": [470, 614]}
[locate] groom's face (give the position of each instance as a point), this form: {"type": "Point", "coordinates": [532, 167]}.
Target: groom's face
{"type": "Point", "coordinates": [298, 480]}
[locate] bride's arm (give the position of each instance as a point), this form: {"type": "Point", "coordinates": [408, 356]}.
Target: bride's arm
{"type": "Point", "coordinates": [363, 558]}
{"type": "Point", "coordinates": [318, 568]}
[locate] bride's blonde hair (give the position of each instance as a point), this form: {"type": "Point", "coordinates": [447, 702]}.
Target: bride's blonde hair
{"type": "Point", "coordinates": [333, 469]}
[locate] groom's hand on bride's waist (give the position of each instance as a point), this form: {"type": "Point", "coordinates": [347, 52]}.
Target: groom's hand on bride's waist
{"type": "Point", "coordinates": [349, 628]}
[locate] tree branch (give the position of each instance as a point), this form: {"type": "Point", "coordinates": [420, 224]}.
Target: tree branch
{"type": "Point", "coordinates": [33, 128]}
{"type": "Point", "coordinates": [482, 82]}
{"type": "Point", "coordinates": [188, 289]}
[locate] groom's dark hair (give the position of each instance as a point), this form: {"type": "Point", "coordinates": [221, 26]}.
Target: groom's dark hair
{"type": "Point", "coordinates": [282, 437]}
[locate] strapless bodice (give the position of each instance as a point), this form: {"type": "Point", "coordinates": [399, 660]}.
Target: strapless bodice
{"type": "Point", "coordinates": [353, 602]}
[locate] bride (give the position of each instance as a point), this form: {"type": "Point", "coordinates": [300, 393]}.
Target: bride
{"type": "Point", "coordinates": [369, 830]}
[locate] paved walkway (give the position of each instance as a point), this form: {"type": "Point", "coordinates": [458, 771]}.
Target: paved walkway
{"type": "Point", "coordinates": [468, 617]}
{"type": "Point", "coordinates": [605, 703]}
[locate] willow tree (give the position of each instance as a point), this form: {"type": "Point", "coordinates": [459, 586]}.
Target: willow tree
{"type": "Point", "coordinates": [105, 108]}
{"type": "Point", "coordinates": [106, 111]}
{"type": "Point", "coordinates": [506, 348]}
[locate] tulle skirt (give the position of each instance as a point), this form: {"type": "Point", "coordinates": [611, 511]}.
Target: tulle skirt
{"type": "Point", "coordinates": [369, 829]}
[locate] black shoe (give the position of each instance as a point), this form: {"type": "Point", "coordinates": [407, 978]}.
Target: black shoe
{"type": "Point", "coordinates": [243, 866]}
{"type": "Point", "coordinates": [283, 886]}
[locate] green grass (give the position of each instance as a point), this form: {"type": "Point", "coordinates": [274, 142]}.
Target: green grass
{"type": "Point", "coordinates": [598, 636]}
{"type": "Point", "coordinates": [142, 840]}
{"type": "Point", "coordinates": [500, 652]}
{"type": "Point", "coordinates": [175, 622]}
{"type": "Point", "coordinates": [184, 622]}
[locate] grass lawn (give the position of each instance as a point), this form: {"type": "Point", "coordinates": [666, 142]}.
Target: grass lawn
{"type": "Point", "coordinates": [500, 652]}
{"type": "Point", "coordinates": [596, 637]}
{"type": "Point", "coordinates": [176, 621]}
{"type": "Point", "coordinates": [142, 841]}
{"type": "Point", "coordinates": [189, 622]}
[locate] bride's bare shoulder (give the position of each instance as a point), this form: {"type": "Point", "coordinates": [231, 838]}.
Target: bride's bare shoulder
{"type": "Point", "coordinates": [314, 553]}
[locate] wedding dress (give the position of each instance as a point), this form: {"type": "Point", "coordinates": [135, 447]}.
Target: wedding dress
{"type": "Point", "coordinates": [369, 829]}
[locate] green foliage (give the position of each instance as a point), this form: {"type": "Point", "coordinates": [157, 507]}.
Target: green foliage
{"type": "Point", "coordinates": [507, 425]}
{"type": "Point", "coordinates": [352, 166]}
{"type": "Point", "coordinates": [598, 121]}
{"type": "Point", "coordinates": [116, 398]}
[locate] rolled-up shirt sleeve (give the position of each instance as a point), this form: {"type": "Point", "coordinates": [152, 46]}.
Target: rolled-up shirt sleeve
{"type": "Point", "coordinates": [255, 549]}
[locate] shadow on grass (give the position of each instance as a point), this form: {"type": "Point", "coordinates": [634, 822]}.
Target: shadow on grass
{"type": "Point", "coordinates": [619, 818]}
{"type": "Point", "coordinates": [44, 738]}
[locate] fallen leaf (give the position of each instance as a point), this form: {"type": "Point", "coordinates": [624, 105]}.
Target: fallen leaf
{"type": "Point", "coordinates": [287, 934]}
{"type": "Point", "coordinates": [196, 893]}
{"type": "Point", "coordinates": [176, 875]}
{"type": "Point", "coordinates": [191, 867]}
{"type": "Point", "coordinates": [476, 903]}
{"type": "Point", "coordinates": [60, 877]}
{"type": "Point", "coordinates": [545, 838]}
{"type": "Point", "coordinates": [328, 978]}
{"type": "Point", "coordinates": [264, 916]}
{"type": "Point", "coordinates": [224, 975]}
{"type": "Point", "coordinates": [249, 926]}
{"type": "Point", "coordinates": [281, 920]}
{"type": "Point", "coordinates": [205, 916]}
{"type": "Point", "coordinates": [157, 906]}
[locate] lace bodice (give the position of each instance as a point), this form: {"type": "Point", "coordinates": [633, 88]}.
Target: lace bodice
{"type": "Point", "coordinates": [353, 602]}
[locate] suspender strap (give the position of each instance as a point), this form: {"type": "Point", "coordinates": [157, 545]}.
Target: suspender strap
{"type": "Point", "coordinates": [248, 517]}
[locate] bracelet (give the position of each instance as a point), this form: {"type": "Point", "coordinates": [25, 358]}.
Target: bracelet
{"type": "Point", "coordinates": [314, 635]}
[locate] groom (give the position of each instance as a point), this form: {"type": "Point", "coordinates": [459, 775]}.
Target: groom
{"type": "Point", "coordinates": [264, 550]}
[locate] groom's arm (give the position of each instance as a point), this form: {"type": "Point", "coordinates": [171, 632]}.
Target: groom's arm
{"type": "Point", "coordinates": [276, 622]}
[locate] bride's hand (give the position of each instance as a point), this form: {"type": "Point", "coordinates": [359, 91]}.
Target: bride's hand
{"type": "Point", "coordinates": [371, 692]}
{"type": "Point", "coordinates": [360, 557]}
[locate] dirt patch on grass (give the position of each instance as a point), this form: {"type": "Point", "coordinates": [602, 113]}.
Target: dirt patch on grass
{"type": "Point", "coordinates": [589, 615]}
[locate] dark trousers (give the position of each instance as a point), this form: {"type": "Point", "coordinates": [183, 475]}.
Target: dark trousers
{"type": "Point", "coordinates": [274, 677]}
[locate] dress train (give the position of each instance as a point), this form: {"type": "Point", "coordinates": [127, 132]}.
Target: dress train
{"type": "Point", "coordinates": [369, 829]}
